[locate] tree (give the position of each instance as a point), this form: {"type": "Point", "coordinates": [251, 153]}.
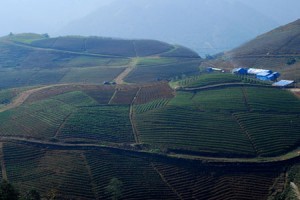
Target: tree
{"type": "Point", "coordinates": [114, 188]}
{"type": "Point", "coordinates": [8, 192]}
{"type": "Point", "coordinates": [291, 61]}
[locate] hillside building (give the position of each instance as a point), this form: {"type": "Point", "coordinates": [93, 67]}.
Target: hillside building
{"type": "Point", "coordinates": [240, 71]}
{"type": "Point", "coordinates": [284, 83]}
{"type": "Point", "coordinates": [261, 74]}
{"type": "Point", "coordinates": [254, 71]}
{"type": "Point", "coordinates": [265, 76]}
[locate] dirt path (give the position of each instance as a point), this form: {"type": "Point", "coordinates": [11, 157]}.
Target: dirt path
{"type": "Point", "coordinates": [220, 86]}
{"type": "Point", "coordinates": [131, 118]}
{"type": "Point", "coordinates": [288, 157]}
{"type": "Point", "coordinates": [21, 98]}
{"type": "Point", "coordinates": [120, 79]}
{"type": "Point", "coordinates": [62, 125]}
{"type": "Point", "coordinates": [296, 91]}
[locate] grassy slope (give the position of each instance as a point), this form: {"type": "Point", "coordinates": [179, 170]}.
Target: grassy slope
{"type": "Point", "coordinates": [272, 50]}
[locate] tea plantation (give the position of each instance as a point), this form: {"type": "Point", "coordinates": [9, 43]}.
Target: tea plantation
{"type": "Point", "coordinates": [103, 118]}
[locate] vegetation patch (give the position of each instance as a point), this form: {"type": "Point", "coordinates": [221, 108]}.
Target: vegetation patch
{"type": "Point", "coordinates": [153, 73]}
{"type": "Point", "coordinates": [98, 124]}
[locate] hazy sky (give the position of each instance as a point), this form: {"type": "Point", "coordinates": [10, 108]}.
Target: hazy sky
{"type": "Point", "coordinates": [42, 16]}
{"type": "Point", "coordinates": [49, 16]}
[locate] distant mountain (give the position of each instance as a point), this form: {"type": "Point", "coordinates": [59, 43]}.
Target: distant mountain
{"type": "Point", "coordinates": [207, 26]}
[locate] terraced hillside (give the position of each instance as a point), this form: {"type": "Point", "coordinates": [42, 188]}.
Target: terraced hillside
{"type": "Point", "coordinates": [70, 136]}
{"type": "Point", "coordinates": [66, 172]}
{"type": "Point", "coordinates": [250, 119]}
{"type": "Point", "coordinates": [278, 50]}
{"type": "Point", "coordinates": [32, 59]}
{"type": "Point", "coordinates": [101, 135]}
{"type": "Point", "coordinates": [240, 121]}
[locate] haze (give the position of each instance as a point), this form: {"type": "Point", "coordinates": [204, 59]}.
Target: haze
{"type": "Point", "coordinates": [43, 16]}
{"type": "Point", "coordinates": [211, 26]}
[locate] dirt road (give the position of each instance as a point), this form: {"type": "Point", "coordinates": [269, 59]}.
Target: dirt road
{"type": "Point", "coordinates": [120, 79]}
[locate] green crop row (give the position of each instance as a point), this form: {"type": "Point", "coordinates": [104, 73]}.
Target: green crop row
{"type": "Point", "coordinates": [209, 79]}
{"type": "Point", "coordinates": [98, 124]}
{"type": "Point", "coordinates": [38, 120]}
{"type": "Point", "coordinates": [273, 134]}
{"type": "Point", "coordinates": [58, 173]}
{"type": "Point", "coordinates": [230, 121]}
{"type": "Point", "coordinates": [159, 103]}
{"type": "Point", "coordinates": [185, 67]}
{"type": "Point", "coordinates": [190, 129]}
{"type": "Point", "coordinates": [219, 183]}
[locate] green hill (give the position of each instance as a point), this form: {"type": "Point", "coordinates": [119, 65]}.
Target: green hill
{"type": "Point", "coordinates": [32, 59]}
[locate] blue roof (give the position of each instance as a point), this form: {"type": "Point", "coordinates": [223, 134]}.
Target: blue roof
{"type": "Point", "coordinates": [283, 83]}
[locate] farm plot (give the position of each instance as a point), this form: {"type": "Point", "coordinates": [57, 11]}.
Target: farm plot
{"type": "Point", "coordinates": [209, 79]}
{"type": "Point", "coordinates": [76, 44]}
{"type": "Point", "coordinates": [124, 95]}
{"type": "Point", "coordinates": [272, 100]}
{"type": "Point", "coordinates": [12, 55]}
{"type": "Point", "coordinates": [152, 61]}
{"type": "Point", "coordinates": [39, 120]}
{"type": "Point", "coordinates": [180, 51]}
{"type": "Point", "coordinates": [91, 74]}
{"type": "Point", "coordinates": [244, 121]}
{"type": "Point", "coordinates": [185, 129]}
{"type": "Point", "coordinates": [107, 46]}
{"type": "Point", "coordinates": [82, 174]}
{"type": "Point", "coordinates": [154, 73]}
{"type": "Point", "coordinates": [210, 182]}
{"type": "Point", "coordinates": [150, 47]}
{"type": "Point", "coordinates": [100, 93]}
{"type": "Point", "coordinates": [76, 99]}
{"type": "Point", "coordinates": [159, 103]}
{"type": "Point", "coordinates": [58, 173]}
{"type": "Point", "coordinates": [273, 134]}
{"type": "Point", "coordinates": [224, 100]}
{"type": "Point", "coordinates": [139, 179]}
{"type": "Point", "coordinates": [98, 124]}
{"type": "Point", "coordinates": [154, 91]}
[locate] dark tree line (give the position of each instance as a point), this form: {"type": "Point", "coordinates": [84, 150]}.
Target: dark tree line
{"type": "Point", "coordinates": [9, 192]}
